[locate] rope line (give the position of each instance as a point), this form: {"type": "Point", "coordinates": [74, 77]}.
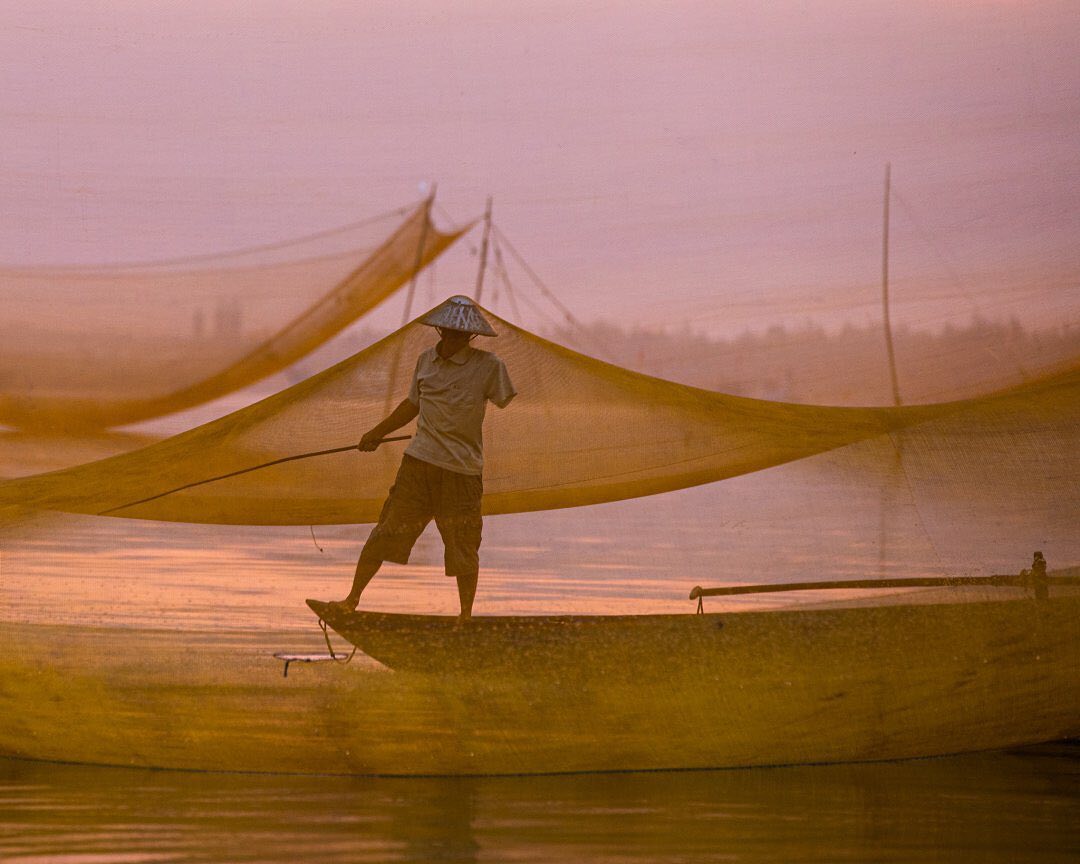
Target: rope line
{"type": "Point", "coordinates": [504, 277]}
{"type": "Point", "coordinates": [246, 471]}
{"type": "Point", "coordinates": [207, 256]}
{"type": "Point", "coordinates": [330, 648]}
{"type": "Point", "coordinates": [578, 331]}
{"type": "Point", "coordinates": [547, 292]}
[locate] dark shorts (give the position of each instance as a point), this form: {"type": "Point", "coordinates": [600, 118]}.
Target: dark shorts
{"type": "Point", "coordinates": [422, 492]}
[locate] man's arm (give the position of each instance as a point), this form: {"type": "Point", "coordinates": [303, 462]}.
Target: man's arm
{"type": "Point", "coordinates": [401, 415]}
{"type": "Point", "coordinates": [500, 389]}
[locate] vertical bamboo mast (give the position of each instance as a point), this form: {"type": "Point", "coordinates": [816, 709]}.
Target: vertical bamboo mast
{"type": "Point", "coordinates": [883, 513]}
{"type": "Point", "coordinates": [885, 289]}
{"type": "Point", "coordinates": [483, 252]}
{"type": "Point", "coordinates": [418, 264]}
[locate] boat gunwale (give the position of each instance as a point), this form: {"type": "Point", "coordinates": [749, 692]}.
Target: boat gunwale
{"type": "Point", "coordinates": [402, 620]}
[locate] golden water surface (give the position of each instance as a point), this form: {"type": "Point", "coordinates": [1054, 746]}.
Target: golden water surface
{"type": "Point", "coordinates": [1002, 807]}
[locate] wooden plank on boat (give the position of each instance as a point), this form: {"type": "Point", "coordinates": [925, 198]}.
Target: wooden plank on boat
{"type": "Point", "coordinates": [1011, 580]}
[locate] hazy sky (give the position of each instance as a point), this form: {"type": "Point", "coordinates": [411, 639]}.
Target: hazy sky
{"type": "Point", "coordinates": [712, 164]}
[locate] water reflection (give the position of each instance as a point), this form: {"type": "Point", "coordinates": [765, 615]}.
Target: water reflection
{"type": "Point", "coordinates": [639, 556]}
{"type": "Point", "coordinates": [1011, 807]}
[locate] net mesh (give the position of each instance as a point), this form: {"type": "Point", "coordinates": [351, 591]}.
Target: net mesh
{"type": "Point", "coordinates": [989, 475]}
{"type": "Point", "coordinates": [87, 348]}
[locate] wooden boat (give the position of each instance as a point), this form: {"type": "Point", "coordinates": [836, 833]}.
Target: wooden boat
{"type": "Point", "coordinates": [908, 679]}
{"type": "Point", "coordinates": [575, 693]}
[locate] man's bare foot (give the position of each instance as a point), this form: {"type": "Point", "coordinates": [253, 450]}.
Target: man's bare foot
{"type": "Point", "coordinates": [346, 605]}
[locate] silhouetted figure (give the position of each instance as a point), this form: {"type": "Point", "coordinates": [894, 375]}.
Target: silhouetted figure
{"type": "Point", "coordinates": [440, 474]}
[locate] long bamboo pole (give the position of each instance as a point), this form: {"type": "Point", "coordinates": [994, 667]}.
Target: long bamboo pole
{"type": "Point", "coordinates": [1020, 580]}
{"type": "Point", "coordinates": [885, 288]}
{"type": "Point", "coordinates": [237, 473]}
{"type": "Point", "coordinates": [483, 252]}
{"type": "Point", "coordinates": [418, 264]}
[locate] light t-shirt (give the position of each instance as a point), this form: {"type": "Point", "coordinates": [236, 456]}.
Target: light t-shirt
{"type": "Point", "coordinates": [452, 394]}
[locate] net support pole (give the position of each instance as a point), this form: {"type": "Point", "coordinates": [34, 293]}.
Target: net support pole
{"type": "Point", "coordinates": [483, 252]}
{"type": "Point", "coordinates": [419, 263]}
{"type": "Point", "coordinates": [885, 288]}
{"type": "Point", "coordinates": [391, 381]}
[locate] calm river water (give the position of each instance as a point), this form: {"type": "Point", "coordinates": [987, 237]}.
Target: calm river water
{"type": "Point", "coordinates": [1007, 807]}
{"type": "Point", "coordinates": [637, 556]}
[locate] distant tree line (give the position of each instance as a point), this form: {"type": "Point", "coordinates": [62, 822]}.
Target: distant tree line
{"type": "Point", "coordinates": [807, 363]}
{"type": "Point", "coordinates": [846, 366]}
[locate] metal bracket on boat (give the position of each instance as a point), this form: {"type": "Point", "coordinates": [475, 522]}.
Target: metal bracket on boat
{"type": "Point", "coordinates": [304, 658]}
{"type": "Point", "coordinates": [315, 658]}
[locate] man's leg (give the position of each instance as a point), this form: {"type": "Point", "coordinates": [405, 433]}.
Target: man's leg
{"type": "Point", "coordinates": [365, 572]}
{"type": "Point", "coordinates": [457, 516]}
{"type": "Point", "coordinates": [466, 589]}
{"type": "Point", "coordinates": [404, 516]}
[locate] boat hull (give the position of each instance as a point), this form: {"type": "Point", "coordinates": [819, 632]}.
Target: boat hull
{"type": "Point", "coordinates": [552, 694]}
{"type": "Point", "coordinates": [756, 688]}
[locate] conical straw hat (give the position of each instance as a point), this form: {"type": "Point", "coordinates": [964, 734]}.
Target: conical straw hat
{"type": "Point", "coordinates": [459, 313]}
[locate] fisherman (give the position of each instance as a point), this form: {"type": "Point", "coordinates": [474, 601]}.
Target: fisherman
{"type": "Point", "coordinates": [440, 473]}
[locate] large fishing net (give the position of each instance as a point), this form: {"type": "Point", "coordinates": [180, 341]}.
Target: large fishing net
{"type": "Point", "coordinates": [88, 348]}
{"type": "Point", "coordinates": [152, 641]}
{"type": "Point", "coordinates": [994, 471]}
